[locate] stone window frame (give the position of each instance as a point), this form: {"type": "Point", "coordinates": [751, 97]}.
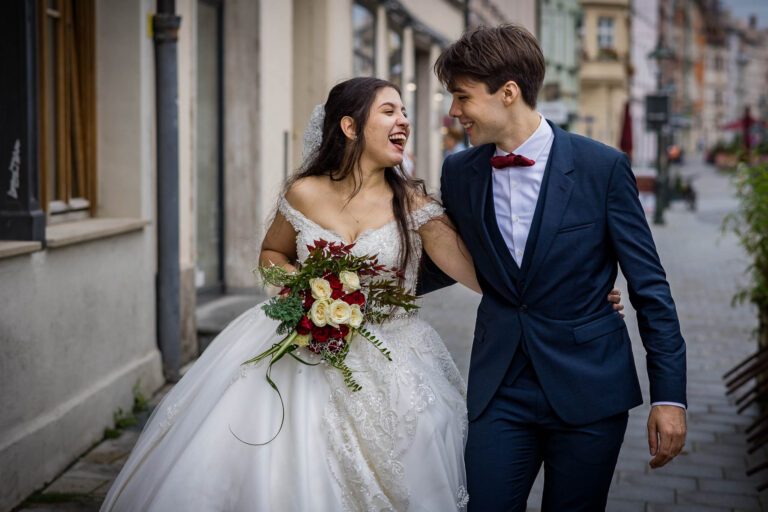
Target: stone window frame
{"type": "Point", "coordinates": [606, 34]}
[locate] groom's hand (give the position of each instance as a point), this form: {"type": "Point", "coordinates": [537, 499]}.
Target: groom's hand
{"type": "Point", "coordinates": [666, 433]}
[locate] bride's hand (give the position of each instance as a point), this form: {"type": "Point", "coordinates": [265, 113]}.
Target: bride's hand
{"type": "Point", "coordinates": [615, 298]}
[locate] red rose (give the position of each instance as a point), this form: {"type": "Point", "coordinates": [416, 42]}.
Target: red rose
{"type": "Point", "coordinates": [337, 294]}
{"type": "Point", "coordinates": [333, 280]}
{"type": "Point", "coordinates": [304, 327]}
{"type": "Point", "coordinates": [341, 331]}
{"type": "Point", "coordinates": [308, 301]}
{"type": "Point", "coordinates": [321, 334]}
{"type": "Point", "coordinates": [354, 298]}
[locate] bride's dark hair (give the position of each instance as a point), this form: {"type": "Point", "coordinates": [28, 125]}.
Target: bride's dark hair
{"type": "Point", "coordinates": [339, 157]}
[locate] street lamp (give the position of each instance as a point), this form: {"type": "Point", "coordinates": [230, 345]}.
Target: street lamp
{"type": "Point", "coordinates": [657, 116]}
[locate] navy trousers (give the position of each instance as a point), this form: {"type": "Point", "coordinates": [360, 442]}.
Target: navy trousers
{"type": "Point", "coordinates": [518, 432]}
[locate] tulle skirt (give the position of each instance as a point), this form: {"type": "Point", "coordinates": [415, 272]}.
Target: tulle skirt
{"type": "Point", "coordinates": [397, 444]}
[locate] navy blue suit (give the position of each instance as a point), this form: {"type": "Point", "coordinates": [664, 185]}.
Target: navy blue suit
{"type": "Point", "coordinates": [552, 374]}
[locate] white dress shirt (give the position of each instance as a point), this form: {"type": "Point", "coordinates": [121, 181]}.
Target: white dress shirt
{"type": "Point", "coordinates": [516, 192]}
{"type": "Point", "coordinates": [516, 189]}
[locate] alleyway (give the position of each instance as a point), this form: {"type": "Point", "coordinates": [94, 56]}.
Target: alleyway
{"type": "Point", "coordinates": [704, 268]}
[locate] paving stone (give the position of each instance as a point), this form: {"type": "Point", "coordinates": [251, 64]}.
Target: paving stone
{"type": "Point", "coordinates": [74, 485]}
{"type": "Point", "coordinates": [690, 470]}
{"type": "Point", "coordinates": [655, 507]}
{"type": "Point", "coordinates": [84, 469]}
{"type": "Point", "coordinates": [720, 460]}
{"type": "Point", "coordinates": [642, 492]}
{"type": "Point", "coordinates": [619, 505]}
{"type": "Point", "coordinates": [729, 486]}
{"type": "Point", "coordinates": [656, 480]}
{"type": "Point", "coordinates": [718, 499]}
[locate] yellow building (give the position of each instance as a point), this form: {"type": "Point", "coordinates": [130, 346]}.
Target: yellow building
{"type": "Point", "coordinates": [605, 69]}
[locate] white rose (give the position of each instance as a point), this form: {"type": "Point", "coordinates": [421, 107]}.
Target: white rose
{"type": "Point", "coordinates": [355, 317]}
{"type": "Point", "coordinates": [321, 289]}
{"type": "Point", "coordinates": [350, 281]}
{"type": "Point", "coordinates": [338, 313]}
{"type": "Point", "coordinates": [319, 311]}
{"type": "Point", "coordinates": [302, 340]}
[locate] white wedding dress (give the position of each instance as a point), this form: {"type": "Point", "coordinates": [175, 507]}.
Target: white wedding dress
{"type": "Point", "coordinates": [397, 444]}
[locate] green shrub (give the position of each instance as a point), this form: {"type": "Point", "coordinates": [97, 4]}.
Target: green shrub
{"type": "Point", "coordinates": [750, 224]}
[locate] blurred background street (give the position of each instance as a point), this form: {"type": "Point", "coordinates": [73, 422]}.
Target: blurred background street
{"type": "Point", "coordinates": [144, 144]}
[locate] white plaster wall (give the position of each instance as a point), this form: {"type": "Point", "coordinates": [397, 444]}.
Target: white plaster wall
{"type": "Point", "coordinates": [322, 57]}
{"type": "Point", "coordinates": [77, 323]}
{"type": "Point", "coordinates": [82, 333]}
{"type": "Point", "coordinates": [187, 55]}
{"type": "Point", "coordinates": [242, 145]}
{"type": "Point", "coordinates": [644, 33]}
{"type": "Point", "coordinates": [442, 16]}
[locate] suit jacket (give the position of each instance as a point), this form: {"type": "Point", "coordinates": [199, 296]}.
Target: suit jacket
{"type": "Point", "coordinates": [555, 304]}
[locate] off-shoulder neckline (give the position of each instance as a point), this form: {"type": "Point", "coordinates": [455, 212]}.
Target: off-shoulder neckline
{"type": "Point", "coordinates": [336, 233]}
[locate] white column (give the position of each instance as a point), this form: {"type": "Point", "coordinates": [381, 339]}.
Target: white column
{"type": "Point", "coordinates": [275, 100]}
{"type": "Point", "coordinates": [409, 67]}
{"type": "Point", "coordinates": [382, 53]}
{"type": "Point", "coordinates": [434, 165]}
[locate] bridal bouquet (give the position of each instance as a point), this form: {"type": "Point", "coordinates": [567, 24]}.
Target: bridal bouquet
{"type": "Point", "coordinates": [326, 303]}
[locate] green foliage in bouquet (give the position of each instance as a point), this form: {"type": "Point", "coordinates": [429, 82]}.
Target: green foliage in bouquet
{"type": "Point", "coordinates": [383, 296]}
{"type": "Point", "coordinates": [287, 310]}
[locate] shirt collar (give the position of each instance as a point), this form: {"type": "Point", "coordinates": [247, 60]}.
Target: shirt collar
{"type": "Point", "coordinates": [534, 145]}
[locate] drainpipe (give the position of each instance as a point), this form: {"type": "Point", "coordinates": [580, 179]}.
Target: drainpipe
{"type": "Point", "coordinates": [165, 27]}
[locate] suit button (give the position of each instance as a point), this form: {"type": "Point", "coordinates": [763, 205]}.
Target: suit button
{"type": "Point", "coordinates": [523, 308]}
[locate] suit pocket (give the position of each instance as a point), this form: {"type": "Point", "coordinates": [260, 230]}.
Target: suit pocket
{"type": "Point", "coordinates": [576, 227]}
{"type": "Point", "coordinates": [596, 328]}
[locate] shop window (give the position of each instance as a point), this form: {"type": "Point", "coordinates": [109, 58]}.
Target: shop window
{"type": "Point", "coordinates": [66, 59]}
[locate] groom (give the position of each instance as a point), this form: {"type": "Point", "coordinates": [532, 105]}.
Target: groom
{"type": "Point", "coordinates": [552, 376]}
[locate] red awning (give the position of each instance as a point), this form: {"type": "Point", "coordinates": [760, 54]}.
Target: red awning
{"type": "Point", "coordinates": [626, 132]}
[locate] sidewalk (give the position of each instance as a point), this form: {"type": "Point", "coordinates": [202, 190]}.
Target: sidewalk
{"type": "Point", "coordinates": [704, 268]}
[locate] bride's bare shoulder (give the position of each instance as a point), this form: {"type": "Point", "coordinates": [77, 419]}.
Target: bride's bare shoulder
{"type": "Point", "coordinates": [420, 198]}
{"type": "Point", "coordinates": [303, 193]}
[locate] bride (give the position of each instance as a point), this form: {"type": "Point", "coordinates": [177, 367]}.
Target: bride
{"type": "Point", "coordinates": [397, 444]}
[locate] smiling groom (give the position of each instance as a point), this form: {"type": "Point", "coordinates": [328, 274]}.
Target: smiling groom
{"type": "Point", "coordinates": [548, 217]}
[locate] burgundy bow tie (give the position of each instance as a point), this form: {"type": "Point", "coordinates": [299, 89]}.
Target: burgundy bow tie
{"type": "Point", "coordinates": [511, 160]}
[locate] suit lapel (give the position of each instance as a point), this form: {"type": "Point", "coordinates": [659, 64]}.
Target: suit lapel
{"type": "Point", "coordinates": [478, 185]}
{"type": "Point", "coordinates": [558, 191]}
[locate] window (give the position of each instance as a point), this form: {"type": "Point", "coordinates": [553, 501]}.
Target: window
{"type": "Point", "coordinates": [605, 33]}
{"type": "Point", "coordinates": [395, 57]}
{"type": "Point", "coordinates": [66, 60]}
{"type": "Point", "coordinates": [363, 37]}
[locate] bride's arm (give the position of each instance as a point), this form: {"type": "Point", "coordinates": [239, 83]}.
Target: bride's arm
{"type": "Point", "coordinates": [279, 245]}
{"type": "Point", "coordinates": [445, 247]}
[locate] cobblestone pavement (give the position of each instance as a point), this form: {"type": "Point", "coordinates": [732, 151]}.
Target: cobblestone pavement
{"type": "Point", "coordinates": [704, 268]}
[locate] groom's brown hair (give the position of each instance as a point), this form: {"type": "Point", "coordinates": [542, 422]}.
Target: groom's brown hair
{"type": "Point", "coordinates": [494, 56]}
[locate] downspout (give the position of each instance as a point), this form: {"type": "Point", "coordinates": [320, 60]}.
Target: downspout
{"type": "Point", "coordinates": [165, 27]}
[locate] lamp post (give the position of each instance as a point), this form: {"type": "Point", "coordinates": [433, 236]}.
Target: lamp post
{"type": "Point", "coordinates": [659, 55]}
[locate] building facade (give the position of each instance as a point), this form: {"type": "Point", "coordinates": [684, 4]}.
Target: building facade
{"type": "Point", "coordinates": [560, 24]}
{"type": "Point", "coordinates": [77, 304]}
{"type": "Point", "coordinates": [605, 69]}
{"type": "Point", "coordinates": [79, 247]}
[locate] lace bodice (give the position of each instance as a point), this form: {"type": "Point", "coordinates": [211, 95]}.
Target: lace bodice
{"type": "Point", "coordinates": [383, 241]}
